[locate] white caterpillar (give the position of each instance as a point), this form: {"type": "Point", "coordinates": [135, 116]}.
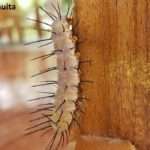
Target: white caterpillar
{"type": "Point", "coordinates": [60, 113]}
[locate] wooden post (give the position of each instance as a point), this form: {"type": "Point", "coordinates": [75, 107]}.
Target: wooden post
{"type": "Point", "coordinates": [116, 36]}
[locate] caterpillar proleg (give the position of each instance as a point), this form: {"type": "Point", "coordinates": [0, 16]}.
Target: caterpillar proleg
{"type": "Point", "coordinates": [59, 114]}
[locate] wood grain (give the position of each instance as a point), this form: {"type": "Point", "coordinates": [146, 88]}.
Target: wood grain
{"type": "Point", "coordinates": [102, 143]}
{"type": "Point", "coordinates": [116, 36]}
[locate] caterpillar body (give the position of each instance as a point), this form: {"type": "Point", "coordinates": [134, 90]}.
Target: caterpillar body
{"type": "Point", "coordinates": [59, 113]}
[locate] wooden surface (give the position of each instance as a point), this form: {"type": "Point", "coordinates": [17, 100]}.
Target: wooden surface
{"type": "Point", "coordinates": [116, 35]}
{"type": "Point", "coordinates": [12, 129]}
{"type": "Point", "coordinates": [101, 143]}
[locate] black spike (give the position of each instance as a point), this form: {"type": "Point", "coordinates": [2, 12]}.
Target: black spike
{"type": "Point", "coordinates": [45, 104]}
{"type": "Point", "coordinates": [53, 140]}
{"type": "Point", "coordinates": [42, 72]}
{"type": "Point", "coordinates": [59, 117]}
{"type": "Point", "coordinates": [59, 143]}
{"type": "Point", "coordinates": [40, 118]}
{"type": "Point", "coordinates": [67, 140]}
{"type": "Point", "coordinates": [39, 98]}
{"type": "Point", "coordinates": [63, 28]}
{"type": "Point", "coordinates": [53, 17]}
{"type": "Point", "coordinates": [50, 83]}
{"type": "Point", "coordinates": [36, 119]}
{"type": "Point", "coordinates": [46, 92]}
{"type": "Point", "coordinates": [49, 43]}
{"type": "Point", "coordinates": [37, 125]}
{"type": "Point", "coordinates": [48, 117]}
{"type": "Point", "coordinates": [37, 130]}
{"type": "Point", "coordinates": [68, 10]}
{"type": "Point", "coordinates": [50, 108]}
{"type": "Point", "coordinates": [42, 40]}
{"type": "Point", "coordinates": [47, 55]}
{"type": "Point", "coordinates": [70, 125]}
{"type": "Point", "coordinates": [57, 11]}
{"type": "Point", "coordinates": [44, 84]}
{"type": "Point", "coordinates": [39, 21]}
{"type": "Point", "coordinates": [60, 106]}
{"type": "Point", "coordinates": [52, 54]}
{"type": "Point", "coordinates": [43, 56]}
{"type": "Point", "coordinates": [63, 140]}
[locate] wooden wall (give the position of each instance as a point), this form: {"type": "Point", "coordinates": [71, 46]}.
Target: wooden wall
{"type": "Point", "coordinates": [116, 36]}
